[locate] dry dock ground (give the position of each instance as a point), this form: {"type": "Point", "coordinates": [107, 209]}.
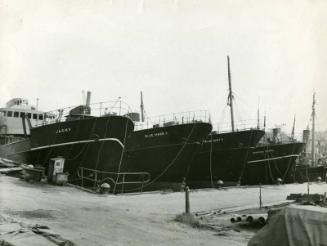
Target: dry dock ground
{"type": "Point", "coordinates": [40, 214]}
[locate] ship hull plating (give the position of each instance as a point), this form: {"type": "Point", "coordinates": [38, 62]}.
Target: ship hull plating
{"type": "Point", "coordinates": [95, 143]}
{"type": "Point", "coordinates": [271, 162]}
{"type": "Point", "coordinates": [165, 152]}
{"type": "Point", "coordinates": [222, 157]}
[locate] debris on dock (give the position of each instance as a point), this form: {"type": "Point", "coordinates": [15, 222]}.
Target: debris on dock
{"type": "Point", "coordinates": [309, 199]}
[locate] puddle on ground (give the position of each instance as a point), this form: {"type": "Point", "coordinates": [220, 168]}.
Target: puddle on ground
{"type": "Point", "coordinates": [38, 213]}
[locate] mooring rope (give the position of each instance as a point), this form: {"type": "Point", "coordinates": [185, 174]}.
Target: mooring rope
{"type": "Point", "coordinates": [171, 163]}
{"type": "Point", "coordinates": [210, 162]}
{"type": "Point", "coordinates": [246, 158]}
{"type": "Point", "coordinates": [122, 154]}
{"type": "Point", "coordinates": [87, 145]}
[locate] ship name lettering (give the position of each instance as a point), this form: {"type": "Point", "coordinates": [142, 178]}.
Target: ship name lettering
{"type": "Point", "coordinates": [156, 134]}
{"type": "Point", "coordinates": [214, 140]}
{"type": "Point", "coordinates": [62, 130]}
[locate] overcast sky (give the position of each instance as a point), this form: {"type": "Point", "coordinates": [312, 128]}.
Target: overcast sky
{"type": "Point", "coordinates": [174, 51]}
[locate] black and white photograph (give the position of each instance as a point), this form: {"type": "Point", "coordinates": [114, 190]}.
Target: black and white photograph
{"type": "Point", "coordinates": [163, 122]}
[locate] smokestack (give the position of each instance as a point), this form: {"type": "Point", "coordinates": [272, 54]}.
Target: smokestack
{"type": "Point", "coordinates": [305, 136]}
{"type": "Point", "coordinates": [276, 135]}
{"type": "Point", "coordinates": [142, 108]}
{"type": "Point", "coordinates": [88, 98]}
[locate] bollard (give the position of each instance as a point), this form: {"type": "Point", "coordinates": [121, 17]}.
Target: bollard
{"type": "Point", "coordinates": [187, 200]}
{"type": "Point", "coordinates": [260, 197]}
{"type": "Point", "coordinates": [104, 188]}
{"type": "Point", "coordinates": [220, 184]}
{"type": "Point", "coordinates": [279, 181]}
{"type": "Point", "coordinates": [183, 184]}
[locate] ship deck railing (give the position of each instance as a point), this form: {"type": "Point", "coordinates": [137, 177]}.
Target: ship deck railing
{"type": "Point", "coordinates": [172, 119]}
{"type": "Point", "coordinates": [107, 108]}
{"type": "Point", "coordinates": [241, 125]}
{"type": "Point", "coordinates": [115, 179]}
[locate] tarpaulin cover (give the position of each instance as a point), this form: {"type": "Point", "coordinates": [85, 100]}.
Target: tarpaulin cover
{"type": "Point", "coordinates": [294, 225]}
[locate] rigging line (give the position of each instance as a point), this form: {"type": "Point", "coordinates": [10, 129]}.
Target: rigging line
{"type": "Point", "coordinates": [266, 171]}
{"type": "Point", "coordinates": [289, 163]}
{"type": "Point", "coordinates": [192, 159]}
{"type": "Point", "coordinates": [246, 157]}
{"type": "Point", "coordinates": [87, 145]}
{"type": "Point", "coordinates": [272, 158]}
{"type": "Point", "coordinates": [77, 155]}
{"type": "Point", "coordinates": [271, 174]}
{"type": "Point", "coordinates": [269, 167]}
{"type": "Point", "coordinates": [122, 152]}
{"type": "Point", "coordinates": [54, 141]}
{"type": "Point", "coordinates": [172, 162]}
{"type": "Point", "coordinates": [222, 118]}
{"type": "Point", "coordinates": [75, 136]}
{"type": "Point", "coordinates": [210, 162]}
{"type": "Point", "coordinates": [102, 143]}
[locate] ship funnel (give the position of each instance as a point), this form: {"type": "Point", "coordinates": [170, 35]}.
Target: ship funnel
{"type": "Point", "coordinates": [88, 98]}
{"type": "Point", "coordinates": [276, 135]}
{"type": "Point", "coordinates": [305, 139]}
{"type": "Point", "coordinates": [305, 136]}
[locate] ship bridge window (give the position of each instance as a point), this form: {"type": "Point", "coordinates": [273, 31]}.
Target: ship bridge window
{"type": "Point", "coordinates": [40, 116]}
{"type": "Point", "coordinates": [34, 116]}
{"type": "Point", "coordinates": [29, 115]}
{"type": "Point", "coordinates": [22, 114]}
{"type": "Point", "coordinates": [9, 114]}
{"type": "Point", "coordinates": [16, 114]}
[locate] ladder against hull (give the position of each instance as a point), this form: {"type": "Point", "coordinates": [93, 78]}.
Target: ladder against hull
{"type": "Point", "coordinates": [119, 182]}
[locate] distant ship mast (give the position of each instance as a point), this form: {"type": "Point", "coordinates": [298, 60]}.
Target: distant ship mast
{"type": "Point", "coordinates": [313, 130]}
{"type": "Point", "coordinates": [293, 129]}
{"type": "Point", "coordinates": [142, 108]}
{"type": "Point", "coordinates": [230, 97]}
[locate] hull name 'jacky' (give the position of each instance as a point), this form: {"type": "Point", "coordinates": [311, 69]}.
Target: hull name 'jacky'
{"type": "Point", "coordinates": [63, 130]}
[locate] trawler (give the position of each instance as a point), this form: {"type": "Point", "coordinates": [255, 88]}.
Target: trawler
{"type": "Point", "coordinates": [99, 144]}
{"type": "Point", "coordinates": [309, 167]}
{"type": "Point", "coordinates": [165, 146]}
{"type": "Point", "coordinates": [273, 160]}
{"type": "Point", "coordinates": [86, 136]}
{"type": "Point", "coordinates": [223, 155]}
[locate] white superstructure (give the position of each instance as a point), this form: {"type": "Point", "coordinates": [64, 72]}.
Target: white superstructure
{"type": "Point", "coordinates": [11, 117]}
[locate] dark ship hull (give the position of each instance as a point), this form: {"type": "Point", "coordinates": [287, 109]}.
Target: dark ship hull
{"type": "Point", "coordinates": [93, 142]}
{"type": "Point", "coordinates": [270, 162]}
{"type": "Point", "coordinates": [306, 173]}
{"type": "Point", "coordinates": [164, 152]}
{"type": "Point", "coordinates": [222, 157]}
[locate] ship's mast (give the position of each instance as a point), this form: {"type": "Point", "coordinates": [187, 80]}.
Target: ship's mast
{"type": "Point", "coordinates": [258, 114]}
{"type": "Point", "coordinates": [293, 129]}
{"type": "Point", "coordinates": [313, 130]}
{"type": "Point", "coordinates": [230, 97]}
{"type": "Point", "coordinates": [142, 108]}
